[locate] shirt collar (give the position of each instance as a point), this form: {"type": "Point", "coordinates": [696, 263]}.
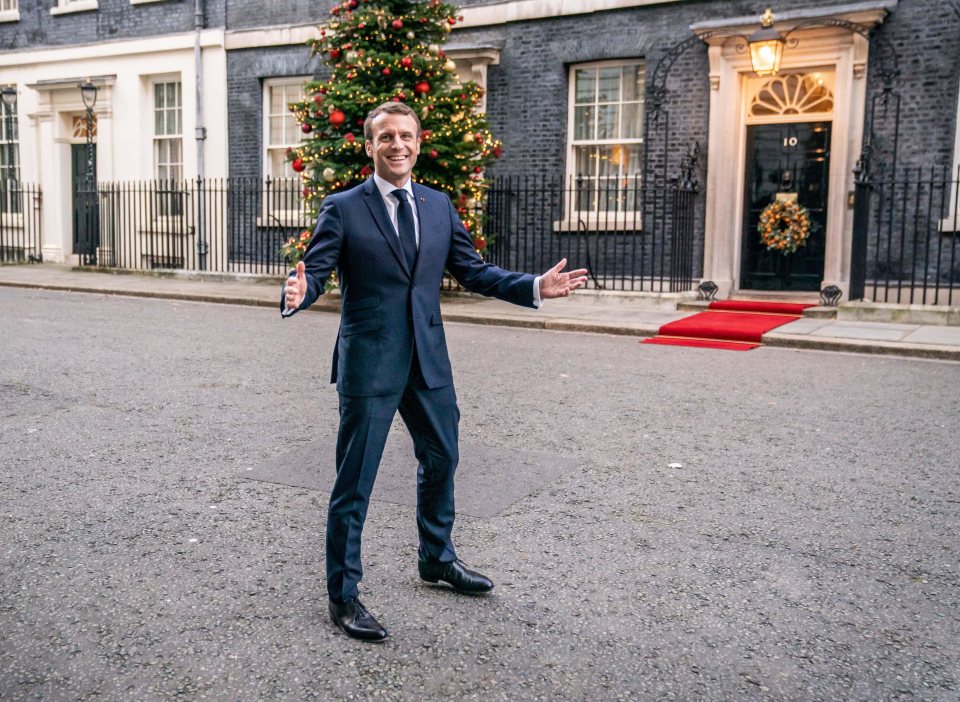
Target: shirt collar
{"type": "Point", "coordinates": [386, 188]}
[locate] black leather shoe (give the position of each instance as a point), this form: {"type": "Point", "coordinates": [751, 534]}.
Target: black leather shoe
{"type": "Point", "coordinates": [356, 621]}
{"type": "Point", "coordinates": [460, 578]}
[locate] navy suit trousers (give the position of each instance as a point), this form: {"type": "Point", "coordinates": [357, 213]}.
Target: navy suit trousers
{"type": "Point", "coordinates": [432, 418]}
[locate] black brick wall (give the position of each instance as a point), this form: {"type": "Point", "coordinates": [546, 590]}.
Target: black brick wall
{"type": "Point", "coordinates": [246, 14]}
{"type": "Point", "coordinates": [115, 19]}
{"type": "Point", "coordinates": [527, 101]}
{"type": "Point", "coordinates": [246, 71]}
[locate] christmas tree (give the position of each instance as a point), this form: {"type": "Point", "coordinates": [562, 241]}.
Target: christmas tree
{"type": "Point", "coordinates": [382, 50]}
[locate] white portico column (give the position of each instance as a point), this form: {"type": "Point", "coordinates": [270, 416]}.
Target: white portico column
{"type": "Point", "coordinates": [721, 252]}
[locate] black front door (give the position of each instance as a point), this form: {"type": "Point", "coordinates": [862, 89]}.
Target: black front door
{"type": "Point", "coordinates": [792, 159]}
{"type": "Point", "coordinates": [86, 214]}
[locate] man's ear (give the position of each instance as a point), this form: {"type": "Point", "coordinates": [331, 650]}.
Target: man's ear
{"type": "Point", "coordinates": [368, 147]}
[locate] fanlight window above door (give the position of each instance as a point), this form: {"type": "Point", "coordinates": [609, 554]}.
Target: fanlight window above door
{"type": "Point", "coordinates": [793, 94]}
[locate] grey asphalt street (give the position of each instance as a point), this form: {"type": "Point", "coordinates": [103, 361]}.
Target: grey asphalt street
{"type": "Point", "coordinates": [806, 549]}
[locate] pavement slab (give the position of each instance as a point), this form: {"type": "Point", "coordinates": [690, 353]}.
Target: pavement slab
{"type": "Point", "coordinates": [489, 478]}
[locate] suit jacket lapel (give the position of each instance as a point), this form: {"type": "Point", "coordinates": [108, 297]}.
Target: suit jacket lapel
{"type": "Point", "coordinates": [379, 211]}
{"type": "Point", "coordinates": [424, 219]}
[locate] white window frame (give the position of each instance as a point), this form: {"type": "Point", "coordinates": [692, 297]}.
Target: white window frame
{"type": "Point", "coordinates": [9, 10]}
{"type": "Point", "coordinates": [11, 215]}
{"type": "Point", "coordinates": [952, 221]}
{"type": "Point", "coordinates": [284, 215]}
{"type": "Point", "coordinates": [622, 219]}
{"type": "Point", "coordinates": [64, 7]}
{"type": "Point", "coordinates": [157, 139]}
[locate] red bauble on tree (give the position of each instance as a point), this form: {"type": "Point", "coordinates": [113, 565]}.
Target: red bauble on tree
{"type": "Point", "coordinates": [397, 24]}
{"type": "Point", "coordinates": [306, 128]}
{"type": "Point", "coordinates": [422, 88]}
{"type": "Point", "coordinates": [336, 117]}
{"type": "Point", "coordinates": [406, 62]}
{"type": "Point", "coordinates": [297, 165]}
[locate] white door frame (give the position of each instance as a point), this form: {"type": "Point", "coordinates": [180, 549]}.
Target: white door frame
{"type": "Point", "coordinates": [832, 48]}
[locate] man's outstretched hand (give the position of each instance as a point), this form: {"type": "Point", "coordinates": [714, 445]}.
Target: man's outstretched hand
{"type": "Point", "coordinates": [555, 283]}
{"type": "Point", "coordinates": [296, 288]}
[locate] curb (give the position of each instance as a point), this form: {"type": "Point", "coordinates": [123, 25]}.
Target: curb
{"type": "Point", "coordinates": [823, 343]}
{"type": "Point", "coordinates": [882, 348]}
{"type": "Point", "coordinates": [330, 306]}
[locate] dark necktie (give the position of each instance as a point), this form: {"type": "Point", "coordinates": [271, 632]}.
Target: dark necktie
{"type": "Point", "coordinates": [408, 233]}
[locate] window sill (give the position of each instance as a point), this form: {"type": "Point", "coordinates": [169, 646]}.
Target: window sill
{"type": "Point", "coordinates": [9, 15]}
{"type": "Point", "coordinates": [287, 219]}
{"type": "Point", "coordinates": [592, 223]}
{"type": "Point", "coordinates": [82, 6]}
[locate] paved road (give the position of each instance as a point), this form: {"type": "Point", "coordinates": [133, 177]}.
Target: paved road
{"type": "Point", "coordinates": [806, 550]}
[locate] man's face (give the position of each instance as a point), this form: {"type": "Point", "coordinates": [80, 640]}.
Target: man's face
{"type": "Point", "coordinates": [394, 147]}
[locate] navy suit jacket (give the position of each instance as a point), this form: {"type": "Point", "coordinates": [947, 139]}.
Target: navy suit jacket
{"type": "Point", "coordinates": [388, 310]}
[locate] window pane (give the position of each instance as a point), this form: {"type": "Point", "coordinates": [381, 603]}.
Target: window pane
{"type": "Point", "coordinates": [276, 131]}
{"type": "Point", "coordinates": [631, 162]}
{"type": "Point", "coordinates": [278, 164]}
{"type": "Point", "coordinates": [632, 126]}
{"type": "Point", "coordinates": [158, 96]}
{"type": "Point", "coordinates": [583, 122]}
{"type": "Point", "coordinates": [585, 160]}
{"type": "Point", "coordinates": [290, 129]}
{"type": "Point", "coordinates": [276, 101]}
{"type": "Point", "coordinates": [172, 95]}
{"type": "Point", "coordinates": [171, 122]}
{"type": "Point", "coordinates": [176, 151]}
{"type": "Point", "coordinates": [179, 126]}
{"type": "Point", "coordinates": [608, 84]}
{"type": "Point", "coordinates": [585, 85]}
{"type": "Point", "coordinates": [632, 83]}
{"type": "Point", "coordinates": [608, 161]}
{"type": "Point", "coordinates": [607, 121]}
{"type": "Point", "coordinates": [158, 123]}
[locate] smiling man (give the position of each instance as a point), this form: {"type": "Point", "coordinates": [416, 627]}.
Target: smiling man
{"type": "Point", "coordinates": [390, 240]}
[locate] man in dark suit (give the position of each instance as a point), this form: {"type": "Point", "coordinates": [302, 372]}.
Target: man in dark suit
{"type": "Point", "coordinates": [389, 241]}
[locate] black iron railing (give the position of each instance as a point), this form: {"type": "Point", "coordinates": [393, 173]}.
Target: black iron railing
{"type": "Point", "coordinates": [628, 235]}
{"type": "Point", "coordinates": [223, 225]}
{"type": "Point", "coordinates": [20, 222]}
{"type": "Point", "coordinates": [906, 245]}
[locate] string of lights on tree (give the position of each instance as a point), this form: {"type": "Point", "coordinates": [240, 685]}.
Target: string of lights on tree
{"type": "Point", "coordinates": [383, 50]}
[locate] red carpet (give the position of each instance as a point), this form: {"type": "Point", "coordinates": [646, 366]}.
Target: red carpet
{"type": "Point", "coordinates": [734, 325]}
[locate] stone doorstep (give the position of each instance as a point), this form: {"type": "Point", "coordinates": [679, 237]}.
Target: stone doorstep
{"type": "Point", "coordinates": [818, 312]}
{"type": "Point", "coordinates": [886, 348]}
{"type": "Point", "coordinates": [936, 315]}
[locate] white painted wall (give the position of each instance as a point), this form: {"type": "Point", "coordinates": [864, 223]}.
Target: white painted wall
{"type": "Point", "coordinates": [48, 98]}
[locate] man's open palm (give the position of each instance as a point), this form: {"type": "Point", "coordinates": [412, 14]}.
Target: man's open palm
{"type": "Point", "coordinates": [296, 288]}
{"type": "Point", "coordinates": [556, 283]}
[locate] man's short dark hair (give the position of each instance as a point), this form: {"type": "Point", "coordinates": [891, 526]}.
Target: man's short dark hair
{"type": "Point", "coordinates": [390, 108]}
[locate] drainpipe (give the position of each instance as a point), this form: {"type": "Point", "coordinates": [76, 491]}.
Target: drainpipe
{"type": "Point", "coordinates": [201, 136]}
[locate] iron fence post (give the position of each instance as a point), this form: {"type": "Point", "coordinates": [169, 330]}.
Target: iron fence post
{"type": "Point", "coordinates": [861, 228]}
